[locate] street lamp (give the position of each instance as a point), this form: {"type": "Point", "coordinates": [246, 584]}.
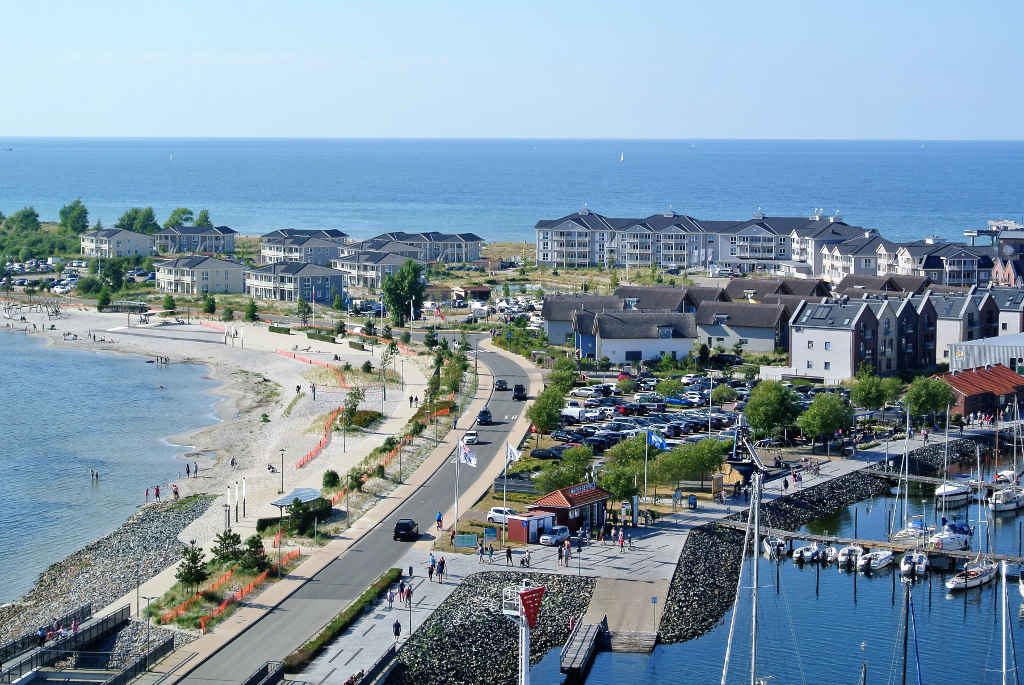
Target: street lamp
{"type": "Point", "coordinates": [281, 491]}
{"type": "Point", "coordinates": [280, 518]}
{"type": "Point", "coordinates": [148, 621]}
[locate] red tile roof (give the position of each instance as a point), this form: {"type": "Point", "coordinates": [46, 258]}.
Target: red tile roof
{"type": "Point", "coordinates": [995, 378]}
{"type": "Point", "coordinates": [572, 496]}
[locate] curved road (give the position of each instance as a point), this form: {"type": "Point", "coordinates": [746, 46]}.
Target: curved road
{"type": "Point", "coordinates": [291, 623]}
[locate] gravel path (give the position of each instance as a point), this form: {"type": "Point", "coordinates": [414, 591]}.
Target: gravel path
{"type": "Point", "coordinates": [105, 570]}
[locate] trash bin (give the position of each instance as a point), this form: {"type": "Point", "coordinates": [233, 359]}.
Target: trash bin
{"type": "Point", "coordinates": [692, 501]}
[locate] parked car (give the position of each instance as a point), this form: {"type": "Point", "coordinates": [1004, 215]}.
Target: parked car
{"type": "Point", "coordinates": [556, 536]}
{"type": "Point", "coordinates": [565, 436]}
{"type": "Point", "coordinates": [597, 443]}
{"type": "Point", "coordinates": [585, 391]}
{"type": "Point", "coordinates": [471, 437]}
{"type": "Point", "coordinates": [559, 450]}
{"type": "Point", "coordinates": [499, 514]}
{"type": "Point", "coordinates": [500, 384]}
{"type": "Point", "coordinates": [406, 529]}
{"type": "Point", "coordinates": [484, 417]}
{"type": "Point", "coordinates": [543, 453]}
{"type": "Point", "coordinates": [725, 359]}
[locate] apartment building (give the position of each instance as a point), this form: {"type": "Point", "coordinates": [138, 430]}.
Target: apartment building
{"type": "Point", "coordinates": [443, 248]}
{"type": "Point", "coordinates": [959, 318]}
{"type": "Point", "coordinates": [115, 242]}
{"type": "Point", "coordinates": [288, 281]}
{"type": "Point", "coordinates": [193, 239]}
{"type": "Point", "coordinates": [948, 264]}
{"type": "Point", "coordinates": [857, 256]}
{"type": "Point", "coordinates": [667, 299]}
{"type": "Point", "coordinates": [557, 312]}
{"type": "Point", "coordinates": [200, 275]}
{"type": "Point", "coordinates": [756, 327]}
{"type": "Point", "coordinates": [1010, 303]}
{"type": "Point", "coordinates": [311, 246]}
{"type": "Point", "coordinates": [636, 336]}
{"type": "Point", "coordinates": [369, 269]}
{"type": "Point", "coordinates": [832, 340]}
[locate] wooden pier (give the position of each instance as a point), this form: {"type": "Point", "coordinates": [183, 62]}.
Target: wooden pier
{"type": "Point", "coordinates": [869, 544]}
{"type": "Point", "coordinates": [931, 480]}
{"type": "Point", "coordinates": [580, 648]}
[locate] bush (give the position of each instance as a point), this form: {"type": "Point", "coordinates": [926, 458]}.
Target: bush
{"type": "Point", "coordinates": [347, 366]}
{"type": "Point", "coordinates": [406, 337]}
{"type": "Point", "coordinates": [385, 332]}
{"type": "Point", "coordinates": [356, 345]}
{"type": "Point", "coordinates": [364, 418]}
{"type": "Point", "coordinates": [228, 314]}
{"type": "Point", "coordinates": [367, 367]}
{"type": "Point", "coordinates": [331, 479]}
{"type": "Point", "coordinates": [322, 337]}
{"type": "Point", "coordinates": [279, 329]}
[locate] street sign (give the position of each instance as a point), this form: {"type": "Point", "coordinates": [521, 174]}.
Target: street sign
{"type": "Point", "coordinates": [465, 541]}
{"type": "Point", "coordinates": [654, 600]}
{"type": "Point", "coordinates": [525, 523]}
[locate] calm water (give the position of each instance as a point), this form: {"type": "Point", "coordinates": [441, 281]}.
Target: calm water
{"type": "Point", "coordinates": [65, 412]}
{"type": "Point", "coordinates": [824, 636]}
{"type": "Point", "coordinates": [500, 188]}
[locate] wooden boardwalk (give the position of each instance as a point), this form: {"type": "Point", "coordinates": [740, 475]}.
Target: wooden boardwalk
{"type": "Point", "coordinates": [868, 544]}
{"type": "Point", "coordinates": [580, 648]}
{"type": "Point", "coordinates": [930, 480]}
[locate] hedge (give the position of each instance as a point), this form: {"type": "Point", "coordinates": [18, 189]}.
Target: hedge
{"type": "Point", "coordinates": [356, 345]}
{"type": "Point", "coordinates": [301, 657]}
{"type": "Point", "coordinates": [366, 417]}
{"type": "Point", "coordinates": [322, 337]}
{"type": "Point", "coordinates": [280, 329]}
{"type": "Point", "coordinates": [318, 506]}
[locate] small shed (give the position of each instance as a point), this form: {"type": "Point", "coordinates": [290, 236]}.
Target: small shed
{"type": "Point", "coordinates": [527, 528]}
{"type": "Point", "coordinates": [580, 506]}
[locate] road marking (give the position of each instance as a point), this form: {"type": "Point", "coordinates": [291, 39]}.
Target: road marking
{"type": "Point", "coordinates": [354, 655]}
{"type": "Point", "coordinates": [335, 656]}
{"type": "Point", "coordinates": [328, 675]}
{"type": "Point", "coordinates": [368, 629]}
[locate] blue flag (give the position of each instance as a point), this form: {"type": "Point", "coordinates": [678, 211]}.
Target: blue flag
{"type": "Point", "coordinates": [655, 440]}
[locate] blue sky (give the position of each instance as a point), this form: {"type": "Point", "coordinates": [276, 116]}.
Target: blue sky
{"type": "Point", "coordinates": [916, 70]}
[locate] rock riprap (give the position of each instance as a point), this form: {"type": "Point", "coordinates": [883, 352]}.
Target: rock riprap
{"type": "Point", "coordinates": [107, 569]}
{"type": "Point", "coordinates": [468, 640]}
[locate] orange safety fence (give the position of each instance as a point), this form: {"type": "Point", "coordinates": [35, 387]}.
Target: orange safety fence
{"type": "Point", "coordinates": [214, 326]}
{"type": "Point", "coordinates": [180, 609]}
{"type": "Point", "coordinates": [277, 539]}
{"type": "Point", "coordinates": [238, 596]}
{"type": "Point", "coordinates": [324, 441]}
{"type": "Point", "coordinates": [316, 362]}
{"type": "Point", "coordinates": [336, 497]}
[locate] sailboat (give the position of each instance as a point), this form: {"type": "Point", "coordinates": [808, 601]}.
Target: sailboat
{"type": "Point", "coordinates": [753, 526]}
{"type": "Point", "coordinates": [955, 535]}
{"type": "Point", "coordinates": [978, 571]}
{"type": "Point", "coordinates": [1009, 498]}
{"type": "Point", "coordinates": [622, 156]}
{"type": "Point", "coordinates": [914, 530]}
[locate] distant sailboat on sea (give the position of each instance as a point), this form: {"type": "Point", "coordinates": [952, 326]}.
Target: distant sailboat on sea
{"type": "Point", "coordinates": [172, 156]}
{"type": "Point", "coordinates": [622, 156]}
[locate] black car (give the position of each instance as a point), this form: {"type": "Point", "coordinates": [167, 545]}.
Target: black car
{"type": "Point", "coordinates": [565, 436]}
{"type": "Point", "coordinates": [484, 417]}
{"type": "Point", "coordinates": [519, 392]}
{"type": "Point", "coordinates": [406, 529]}
{"type": "Point", "coordinates": [500, 384]}
{"type": "Point", "coordinates": [633, 408]}
{"type": "Point", "coordinates": [598, 444]}
{"type": "Point", "coordinates": [544, 453]}
{"type": "Point", "coordinates": [559, 450]}
{"type": "Point", "coordinates": [726, 359]}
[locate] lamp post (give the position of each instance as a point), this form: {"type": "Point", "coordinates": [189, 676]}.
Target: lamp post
{"type": "Point", "coordinates": [148, 620]}
{"type": "Point", "coordinates": [280, 518]}
{"type": "Point", "coordinates": [281, 491]}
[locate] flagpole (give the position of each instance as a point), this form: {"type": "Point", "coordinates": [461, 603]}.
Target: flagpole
{"type": "Point", "coordinates": [504, 496]}
{"type": "Point", "coordinates": [647, 449]}
{"type": "Point", "coordinates": [458, 458]}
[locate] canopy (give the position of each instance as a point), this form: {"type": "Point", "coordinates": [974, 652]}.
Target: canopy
{"type": "Point", "coordinates": [304, 495]}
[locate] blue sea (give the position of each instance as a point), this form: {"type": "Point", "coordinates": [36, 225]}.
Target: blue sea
{"type": "Point", "coordinates": [500, 188]}
{"type": "Point", "coordinates": [66, 412]}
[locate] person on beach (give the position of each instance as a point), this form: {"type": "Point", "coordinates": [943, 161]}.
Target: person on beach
{"type": "Point", "coordinates": [391, 599]}
{"type": "Point", "coordinates": [147, 494]}
{"type": "Point", "coordinates": [195, 469]}
{"type": "Point", "coordinates": [188, 470]}
{"type": "Point", "coordinates": [490, 554]}
{"type": "Point", "coordinates": [410, 401]}
{"type": "Point", "coordinates": [156, 492]}
{"type": "Point", "coordinates": [441, 568]}
{"type": "Point", "coordinates": [438, 519]}
{"type": "Point", "coordinates": [174, 489]}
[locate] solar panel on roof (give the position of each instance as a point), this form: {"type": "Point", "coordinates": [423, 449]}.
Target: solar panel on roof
{"type": "Point", "coordinates": [820, 312]}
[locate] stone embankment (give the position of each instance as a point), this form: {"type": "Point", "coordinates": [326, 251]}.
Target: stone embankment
{"type": "Point", "coordinates": [468, 640]}
{"type": "Point", "coordinates": [107, 569]}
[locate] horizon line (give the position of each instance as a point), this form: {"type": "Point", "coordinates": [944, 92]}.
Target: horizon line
{"type": "Point", "coordinates": [519, 138]}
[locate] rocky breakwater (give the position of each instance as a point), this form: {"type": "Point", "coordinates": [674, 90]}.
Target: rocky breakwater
{"type": "Point", "coordinates": [468, 640]}
{"type": "Point", "coordinates": [107, 569]}
{"type": "Point", "coordinates": [927, 461]}
{"type": "Point", "coordinates": [704, 583]}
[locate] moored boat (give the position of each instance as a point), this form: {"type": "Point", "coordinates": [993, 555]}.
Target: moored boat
{"type": "Point", "coordinates": [874, 560]}
{"type": "Point", "coordinates": [974, 574]}
{"type": "Point", "coordinates": [806, 553]}
{"type": "Point", "coordinates": [774, 548]}
{"type": "Point", "coordinates": [914, 563]}
{"type": "Point", "coordinates": [850, 555]}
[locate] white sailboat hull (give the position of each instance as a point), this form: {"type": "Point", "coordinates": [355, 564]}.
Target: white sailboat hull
{"type": "Point", "coordinates": [973, 577]}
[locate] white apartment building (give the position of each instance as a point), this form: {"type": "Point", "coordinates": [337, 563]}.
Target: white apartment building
{"type": "Point", "coordinates": [116, 242]}
{"type": "Point", "coordinates": [310, 246]}
{"type": "Point", "coordinates": [288, 281]}
{"type": "Point", "coordinates": [199, 275]}
{"type": "Point", "coordinates": [431, 246]}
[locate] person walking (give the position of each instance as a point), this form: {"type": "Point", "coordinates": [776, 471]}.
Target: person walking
{"type": "Point", "coordinates": [188, 470]}
{"type": "Point", "coordinates": [401, 590]}
{"type": "Point", "coordinates": [147, 494]}
{"type": "Point", "coordinates": [430, 572]}
{"type": "Point", "coordinates": [195, 469]}
{"type": "Point", "coordinates": [396, 628]}
{"type": "Point", "coordinates": [560, 555]}
{"type": "Point", "coordinates": [410, 401]}
{"type": "Point", "coordinates": [508, 555]}
{"type": "Point", "coordinates": [451, 537]}
{"type": "Point", "coordinates": [785, 485]}
{"type": "Point", "coordinates": [391, 599]}
{"type": "Point", "coordinates": [408, 596]}
{"type": "Point", "coordinates": [629, 540]}
{"type": "Point", "coordinates": [156, 492]}
{"type": "Point", "coordinates": [490, 554]}
{"type": "Point", "coordinates": [438, 519]}
{"type": "Point", "coordinates": [480, 553]}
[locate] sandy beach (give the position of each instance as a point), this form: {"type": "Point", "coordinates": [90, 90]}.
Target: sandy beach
{"type": "Point", "coordinates": [260, 411]}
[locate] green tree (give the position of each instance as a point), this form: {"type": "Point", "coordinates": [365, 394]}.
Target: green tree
{"type": "Point", "coordinates": [104, 298]}
{"type": "Point", "coordinates": [703, 355]}
{"type": "Point", "coordinates": [113, 271]}
{"type": "Point", "coordinates": [406, 337]}
{"type": "Point", "coordinates": [404, 290]}
{"type": "Point", "coordinates": [430, 339]}
{"type": "Point", "coordinates": [182, 216]}
{"type": "Point", "coordinates": [827, 414]}
{"type": "Point", "coordinates": [209, 304]}
{"type": "Point", "coordinates": [203, 219]}
{"type": "Point", "coordinates": [169, 303]}
{"type": "Point", "coordinates": [627, 386]}
{"type": "Point", "coordinates": [546, 410]}
{"type": "Point", "coordinates": [254, 558]}
{"type": "Point", "coordinates": [369, 327]}
{"type": "Point", "coordinates": [140, 220]}
{"type": "Point", "coordinates": [228, 314]}
{"type": "Point", "coordinates": [303, 310]}
{"type": "Point", "coordinates": [331, 479]}
{"type": "Point", "coordinates": [227, 547]}
{"type": "Point", "coordinates": [337, 303]}
{"type": "Point", "coordinates": [771, 405]}
{"type": "Point", "coordinates": [564, 373]}
{"type": "Point", "coordinates": [24, 220]}
{"type": "Point", "coordinates": [339, 328]}
{"type": "Point", "coordinates": [613, 280]}
{"type": "Point", "coordinates": [929, 395]}
{"type": "Point", "coordinates": [670, 388]}
{"type": "Point", "coordinates": [571, 470]}
{"type": "Point", "coordinates": [868, 392]}
{"type": "Point", "coordinates": [892, 388]}
{"type": "Point", "coordinates": [505, 291]}
{"type": "Point", "coordinates": [251, 312]}
{"type": "Point", "coordinates": [723, 394]}
{"type": "Point", "coordinates": [622, 478]}
{"type": "Point", "coordinates": [708, 455]}
{"type": "Point", "coordinates": [192, 570]}
{"type": "Point", "coordinates": [353, 399]}
{"type": "Point", "coordinates": [74, 217]}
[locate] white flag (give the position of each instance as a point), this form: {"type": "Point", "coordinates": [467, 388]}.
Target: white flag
{"type": "Point", "coordinates": [511, 453]}
{"type": "Point", "coordinates": [466, 455]}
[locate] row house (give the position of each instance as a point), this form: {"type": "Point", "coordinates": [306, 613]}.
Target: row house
{"type": "Point", "coordinates": [667, 299]}
{"type": "Point", "coordinates": [200, 275]}
{"type": "Point", "coordinates": [116, 242]}
{"type": "Point", "coordinates": [1010, 303]}
{"type": "Point", "coordinates": [312, 246]}
{"type": "Point", "coordinates": [288, 281]}
{"type": "Point", "coordinates": [192, 239]}
{"type": "Point", "coordinates": [762, 328]}
{"type": "Point", "coordinates": [430, 246]}
{"type": "Point", "coordinates": [857, 256]}
{"type": "Point", "coordinates": [959, 318]}
{"type": "Point", "coordinates": [948, 264]}
{"type": "Point", "coordinates": [1008, 272]}
{"type": "Point", "coordinates": [820, 231]}
{"type": "Point", "coordinates": [369, 269]}
{"type": "Point", "coordinates": [637, 336]}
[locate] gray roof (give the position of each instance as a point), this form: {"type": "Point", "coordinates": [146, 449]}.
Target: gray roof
{"type": "Point", "coordinates": [654, 298]}
{"type": "Point", "coordinates": [325, 233]}
{"type": "Point", "coordinates": [111, 232]}
{"type": "Point", "coordinates": [373, 257]}
{"type": "Point", "coordinates": [430, 237]}
{"type": "Point", "coordinates": [199, 261]}
{"type": "Point", "coordinates": [197, 230]}
{"type": "Point", "coordinates": [834, 315]}
{"type": "Point", "coordinates": [644, 325]}
{"type": "Point", "coordinates": [296, 269]}
{"type": "Point", "coordinates": [560, 307]}
{"type": "Point", "coordinates": [860, 246]}
{"type": "Point", "coordinates": [741, 314]}
{"type": "Point", "coordinates": [946, 306]}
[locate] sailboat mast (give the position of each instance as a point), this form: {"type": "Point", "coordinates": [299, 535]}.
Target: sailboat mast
{"type": "Point", "coordinates": [756, 503]}
{"type": "Point", "coordinates": [1002, 569]}
{"type": "Point", "coordinates": [906, 627]}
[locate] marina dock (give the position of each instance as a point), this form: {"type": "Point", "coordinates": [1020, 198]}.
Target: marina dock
{"type": "Point", "coordinates": [632, 609]}
{"type": "Point", "coordinates": [580, 648]}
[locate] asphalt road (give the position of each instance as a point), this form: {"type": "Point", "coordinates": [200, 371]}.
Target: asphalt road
{"type": "Point", "coordinates": [325, 594]}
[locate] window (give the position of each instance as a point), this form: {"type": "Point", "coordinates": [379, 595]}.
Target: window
{"type": "Point", "coordinates": [945, 354]}
{"type": "Point", "coordinates": [810, 364]}
{"type": "Point", "coordinates": [744, 341]}
{"type": "Point", "coordinates": [828, 365]}
{"type": "Point", "coordinates": [828, 345]}
{"type": "Point", "coordinates": [720, 339]}
{"type": "Point", "coordinates": [810, 344]}
{"type": "Point", "coordinates": [1004, 325]}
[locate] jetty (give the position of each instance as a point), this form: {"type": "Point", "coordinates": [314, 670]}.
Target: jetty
{"type": "Point", "coordinates": [579, 649]}
{"type": "Point", "coordinates": [631, 610]}
{"type": "Point", "coordinates": [931, 480]}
